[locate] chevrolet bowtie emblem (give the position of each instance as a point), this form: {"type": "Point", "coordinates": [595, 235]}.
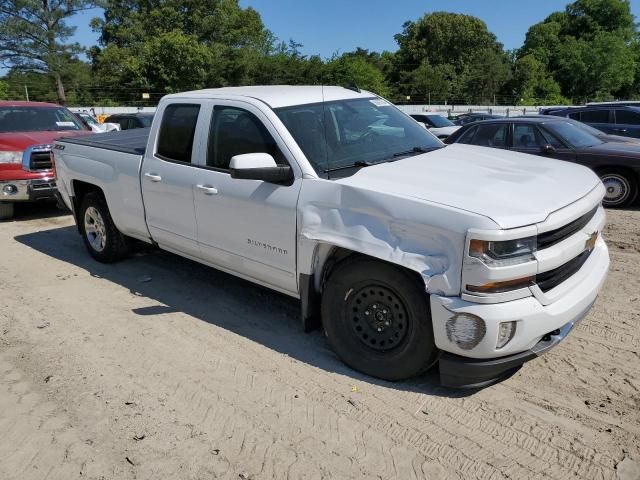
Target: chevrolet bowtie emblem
{"type": "Point", "coordinates": [591, 241]}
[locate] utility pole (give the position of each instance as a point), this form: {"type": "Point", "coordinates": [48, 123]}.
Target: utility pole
{"type": "Point", "coordinates": [26, 92]}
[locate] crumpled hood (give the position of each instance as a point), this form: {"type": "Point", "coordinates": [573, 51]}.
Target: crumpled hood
{"type": "Point", "coordinates": [513, 189]}
{"type": "Point", "coordinates": [19, 141]}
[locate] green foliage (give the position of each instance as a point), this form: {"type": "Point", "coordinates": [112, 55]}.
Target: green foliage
{"type": "Point", "coordinates": [353, 70]}
{"type": "Point", "coordinates": [34, 37]}
{"type": "Point", "coordinates": [589, 51]}
{"type": "Point", "coordinates": [4, 90]}
{"type": "Point", "coordinates": [460, 50]}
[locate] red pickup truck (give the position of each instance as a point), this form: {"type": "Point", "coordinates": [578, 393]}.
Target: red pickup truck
{"type": "Point", "coordinates": [27, 130]}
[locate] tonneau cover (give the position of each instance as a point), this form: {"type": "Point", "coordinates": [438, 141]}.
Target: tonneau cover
{"type": "Point", "coordinates": [132, 141]}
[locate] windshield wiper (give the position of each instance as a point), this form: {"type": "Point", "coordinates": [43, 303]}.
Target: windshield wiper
{"type": "Point", "coordinates": [358, 164]}
{"type": "Point", "coordinates": [415, 150]}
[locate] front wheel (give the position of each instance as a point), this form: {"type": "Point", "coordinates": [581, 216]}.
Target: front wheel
{"type": "Point", "coordinates": [377, 319]}
{"type": "Point", "coordinates": [103, 240]}
{"type": "Point", "coordinates": [621, 188]}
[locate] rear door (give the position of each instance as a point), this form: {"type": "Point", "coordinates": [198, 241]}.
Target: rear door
{"type": "Point", "coordinates": [627, 123]}
{"type": "Point", "coordinates": [532, 139]}
{"type": "Point", "coordinates": [246, 226]}
{"type": "Point", "coordinates": [168, 177]}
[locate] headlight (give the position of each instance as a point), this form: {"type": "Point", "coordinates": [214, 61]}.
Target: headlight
{"type": "Point", "coordinates": [503, 253]}
{"type": "Point", "coordinates": [10, 157]}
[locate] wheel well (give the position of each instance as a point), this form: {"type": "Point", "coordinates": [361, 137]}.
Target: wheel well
{"type": "Point", "coordinates": [80, 190]}
{"type": "Point", "coordinates": [619, 169]}
{"type": "Point", "coordinates": [328, 257]}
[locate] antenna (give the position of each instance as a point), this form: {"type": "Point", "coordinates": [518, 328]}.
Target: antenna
{"type": "Point", "coordinates": [353, 87]}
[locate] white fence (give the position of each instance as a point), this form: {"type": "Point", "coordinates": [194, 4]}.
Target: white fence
{"type": "Point", "coordinates": [506, 110]}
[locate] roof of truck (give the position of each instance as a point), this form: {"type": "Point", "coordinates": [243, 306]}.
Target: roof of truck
{"type": "Point", "coordinates": [277, 96]}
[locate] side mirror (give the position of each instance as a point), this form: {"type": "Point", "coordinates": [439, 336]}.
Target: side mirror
{"type": "Point", "coordinates": [547, 150]}
{"type": "Point", "coordinates": [259, 166]}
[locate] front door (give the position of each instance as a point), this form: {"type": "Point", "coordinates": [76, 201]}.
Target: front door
{"type": "Point", "coordinates": [528, 138]}
{"type": "Point", "coordinates": [246, 226]}
{"type": "Point", "coordinates": [168, 178]}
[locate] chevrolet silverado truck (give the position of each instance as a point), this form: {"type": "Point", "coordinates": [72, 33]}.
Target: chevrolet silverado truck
{"type": "Point", "coordinates": [27, 130]}
{"type": "Point", "coordinates": [405, 251]}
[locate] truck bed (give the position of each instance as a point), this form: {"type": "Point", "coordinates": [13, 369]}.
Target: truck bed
{"type": "Point", "coordinates": [132, 141]}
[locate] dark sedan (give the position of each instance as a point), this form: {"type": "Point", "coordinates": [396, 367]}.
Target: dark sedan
{"type": "Point", "coordinates": [617, 164]}
{"type": "Point", "coordinates": [466, 118]}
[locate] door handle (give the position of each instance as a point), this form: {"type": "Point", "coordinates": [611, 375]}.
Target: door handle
{"type": "Point", "coordinates": [153, 177]}
{"type": "Point", "coordinates": [207, 189]}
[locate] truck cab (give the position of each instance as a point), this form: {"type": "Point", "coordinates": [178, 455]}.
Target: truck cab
{"type": "Point", "coordinates": [27, 131]}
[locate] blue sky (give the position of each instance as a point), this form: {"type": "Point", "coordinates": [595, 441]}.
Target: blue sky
{"type": "Point", "coordinates": [327, 26]}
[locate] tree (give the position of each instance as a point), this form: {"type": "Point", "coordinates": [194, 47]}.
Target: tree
{"type": "Point", "coordinates": [532, 84]}
{"type": "Point", "coordinates": [4, 90]}
{"type": "Point", "coordinates": [356, 71]}
{"type": "Point", "coordinates": [456, 47]}
{"type": "Point", "coordinates": [161, 46]}
{"type": "Point", "coordinates": [590, 49]}
{"type": "Point", "coordinates": [34, 35]}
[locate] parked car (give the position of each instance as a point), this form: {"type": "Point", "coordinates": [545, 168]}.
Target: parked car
{"type": "Point", "coordinates": [436, 124]}
{"type": "Point", "coordinates": [605, 137]}
{"type": "Point", "coordinates": [128, 121]}
{"type": "Point", "coordinates": [96, 126]}
{"type": "Point", "coordinates": [612, 119]}
{"type": "Point", "coordinates": [617, 164]}
{"type": "Point", "coordinates": [408, 252]}
{"type": "Point", "coordinates": [27, 130]}
{"type": "Point", "coordinates": [466, 118]}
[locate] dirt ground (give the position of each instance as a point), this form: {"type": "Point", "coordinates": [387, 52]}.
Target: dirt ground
{"type": "Point", "coordinates": [159, 368]}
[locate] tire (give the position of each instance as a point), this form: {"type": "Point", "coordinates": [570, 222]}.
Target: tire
{"type": "Point", "coordinates": [103, 240]}
{"type": "Point", "coordinates": [6, 210]}
{"type": "Point", "coordinates": [377, 319]}
{"type": "Point", "coordinates": [621, 188]}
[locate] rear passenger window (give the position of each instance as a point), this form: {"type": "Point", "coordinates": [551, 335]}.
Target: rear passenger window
{"type": "Point", "coordinates": [491, 135]}
{"type": "Point", "coordinates": [595, 116]}
{"type": "Point", "coordinates": [177, 130]}
{"type": "Point", "coordinates": [235, 132]}
{"type": "Point", "coordinates": [627, 117]}
{"type": "Point", "coordinates": [467, 136]}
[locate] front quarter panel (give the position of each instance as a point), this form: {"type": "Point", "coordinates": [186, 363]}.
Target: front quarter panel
{"type": "Point", "coordinates": [426, 238]}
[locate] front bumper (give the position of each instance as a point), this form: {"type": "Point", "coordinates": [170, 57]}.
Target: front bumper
{"type": "Point", "coordinates": [539, 325]}
{"type": "Point", "coordinates": [28, 190]}
{"type": "Point", "coordinates": [463, 372]}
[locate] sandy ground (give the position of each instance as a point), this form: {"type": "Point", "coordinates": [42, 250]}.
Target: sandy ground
{"type": "Point", "coordinates": [159, 368]}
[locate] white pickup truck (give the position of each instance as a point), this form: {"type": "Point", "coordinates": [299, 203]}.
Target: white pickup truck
{"type": "Point", "coordinates": [405, 251]}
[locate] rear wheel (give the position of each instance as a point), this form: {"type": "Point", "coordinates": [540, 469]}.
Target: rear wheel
{"type": "Point", "coordinates": [621, 188]}
{"type": "Point", "coordinates": [103, 240]}
{"type": "Point", "coordinates": [377, 319]}
{"type": "Point", "coordinates": [6, 210]}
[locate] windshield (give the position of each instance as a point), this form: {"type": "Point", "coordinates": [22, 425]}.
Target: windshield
{"type": "Point", "coordinates": [88, 118]}
{"type": "Point", "coordinates": [575, 136]}
{"type": "Point", "coordinates": [355, 132]}
{"type": "Point", "coordinates": [37, 119]}
{"type": "Point", "coordinates": [439, 121]}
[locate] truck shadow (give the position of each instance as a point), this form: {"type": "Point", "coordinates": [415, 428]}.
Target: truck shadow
{"type": "Point", "coordinates": [181, 285]}
{"type": "Point", "coordinates": [37, 210]}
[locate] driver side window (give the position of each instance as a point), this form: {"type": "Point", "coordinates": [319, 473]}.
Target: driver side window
{"type": "Point", "coordinates": [235, 131]}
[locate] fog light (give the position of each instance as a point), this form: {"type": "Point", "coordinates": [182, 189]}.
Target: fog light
{"type": "Point", "coordinates": [9, 189]}
{"type": "Point", "coordinates": [505, 333]}
{"type": "Point", "coordinates": [465, 330]}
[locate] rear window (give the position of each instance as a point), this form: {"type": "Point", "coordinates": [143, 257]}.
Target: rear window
{"type": "Point", "coordinates": [177, 130]}
{"type": "Point", "coordinates": [491, 135]}
{"type": "Point", "coordinates": [595, 116]}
